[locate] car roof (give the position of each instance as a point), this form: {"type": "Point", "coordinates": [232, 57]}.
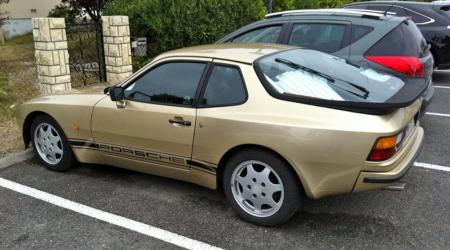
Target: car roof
{"type": "Point", "coordinates": [244, 53]}
{"type": "Point", "coordinates": [332, 12]}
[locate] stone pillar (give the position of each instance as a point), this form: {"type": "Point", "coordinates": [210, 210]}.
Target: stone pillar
{"type": "Point", "coordinates": [52, 57]}
{"type": "Point", "coordinates": [116, 39]}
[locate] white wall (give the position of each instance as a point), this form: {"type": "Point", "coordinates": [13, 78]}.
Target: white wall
{"type": "Point", "coordinates": [17, 27]}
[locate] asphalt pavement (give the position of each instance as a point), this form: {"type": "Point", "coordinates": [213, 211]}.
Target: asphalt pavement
{"type": "Point", "coordinates": [417, 217]}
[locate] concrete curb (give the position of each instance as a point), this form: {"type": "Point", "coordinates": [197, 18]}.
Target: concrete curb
{"type": "Point", "coordinates": [16, 158]}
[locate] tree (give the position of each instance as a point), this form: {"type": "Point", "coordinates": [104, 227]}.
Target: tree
{"type": "Point", "coordinates": [93, 8]}
{"type": "Point", "coordinates": [3, 13]}
{"type": "Point", "coordinates": [66, 11]}
{"type": "Point", "coordinates": [180, 23]}
{"type": "Point", "coordinates": [314, 4]}
{"type": "Point", "coordinates": [3, 19]}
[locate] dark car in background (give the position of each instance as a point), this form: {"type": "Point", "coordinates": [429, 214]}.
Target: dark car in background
{"type": "Point", "coordinates": [433, 20]}
{"type": "Point", "coordinates": [366, 38]}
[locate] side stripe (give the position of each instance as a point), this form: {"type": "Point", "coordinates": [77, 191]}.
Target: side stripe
{"type": "Point", "coordinates": [147, 156]}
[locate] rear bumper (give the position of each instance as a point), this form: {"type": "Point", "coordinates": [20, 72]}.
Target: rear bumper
{"type": "Point", "coordinates": [375, 180]}
{"type": "Point", "coordinates": [427, 97]}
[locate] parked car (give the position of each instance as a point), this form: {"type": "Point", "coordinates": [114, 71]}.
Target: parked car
{"type": "Point", "coordinates": [433, 20]}
{"type": "Point", "coordinates": [268, 123]}
{"type": "Point", "coordinates": [385, 43]}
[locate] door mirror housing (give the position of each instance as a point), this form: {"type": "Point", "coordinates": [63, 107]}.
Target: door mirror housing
{"type": "Point", "coordinates": [116, 93]}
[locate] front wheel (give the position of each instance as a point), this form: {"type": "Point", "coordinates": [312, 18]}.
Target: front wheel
{"type": "Point", "coordinates": [261, 187]}
{"type": "Point", "coordinates": [50, 144]}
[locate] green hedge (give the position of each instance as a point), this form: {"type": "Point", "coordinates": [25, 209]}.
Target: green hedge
{"type": "Point", "coordinates": [180, 23]}
{"type": "Point", "coordinates": [170, 24]}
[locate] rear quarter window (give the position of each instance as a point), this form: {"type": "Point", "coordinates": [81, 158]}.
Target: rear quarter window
{"type": "Point", "coordinates": [405, 40]}
{"type": "Point", "coordinates": [418, 18]}
{"type": "Point", "coordinates": [360, 31]}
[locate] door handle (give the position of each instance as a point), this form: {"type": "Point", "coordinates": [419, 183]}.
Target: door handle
{"type": "Point", "coordinates": [180, 122]}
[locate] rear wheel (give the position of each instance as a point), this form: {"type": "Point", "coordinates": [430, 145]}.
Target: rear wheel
{"type": "Point", "coordinates": [261, 187]}
{"type": "Point", "coordinates": [50, 144]}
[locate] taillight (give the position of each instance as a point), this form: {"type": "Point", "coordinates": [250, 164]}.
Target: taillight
{"type": "Point", "coordinates": [385, 147]}
{"type": "Point", "coordinates": [409, 65]}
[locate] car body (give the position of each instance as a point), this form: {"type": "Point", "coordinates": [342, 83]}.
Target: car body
{"type": "Point", "coordinates": [319, 142]}
{"type": "Point", "coordinates": [362, 37]}
{"type": "Point", "coordinates": [433, 20]}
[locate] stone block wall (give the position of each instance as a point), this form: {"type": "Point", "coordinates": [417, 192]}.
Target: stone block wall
{"type": "Point", "coordinates": [52, 57]}
{"type": "Point", "coordinates": [116, 39]}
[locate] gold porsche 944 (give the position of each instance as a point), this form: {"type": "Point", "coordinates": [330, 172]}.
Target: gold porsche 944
{"type": "Point", "coordinates": [269, 124]}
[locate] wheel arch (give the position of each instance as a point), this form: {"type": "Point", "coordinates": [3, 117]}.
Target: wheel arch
{"type": "Point", "coordinates": [239, 148]}
{"type": "Point", "coordinates": [27, 125]}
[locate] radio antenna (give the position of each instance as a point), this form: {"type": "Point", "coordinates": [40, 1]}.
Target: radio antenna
{"type": "Point", "coordinates": [390, 7]}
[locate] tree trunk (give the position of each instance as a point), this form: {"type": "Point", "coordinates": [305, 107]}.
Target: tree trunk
{"type": "Point", "coordinates": [2, 37]}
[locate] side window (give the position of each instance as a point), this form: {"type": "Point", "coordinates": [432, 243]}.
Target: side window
{"type": "Point", "coordinates": [418, 18]}
{"type": "Point", "coordinates": [225, 87]}
{"type": "Point", "coordinates": [267, 34]}
{"type": "Point", "coordinates": [398, 11]}
{"type": "Point", "coordinates": [360, 31]}
{"type": "Point", "coordinates": [323, 37]}
{"type": "Point", "coordinates": [378, 7]}
{"type": "Point", "coordinates": [170, 83]}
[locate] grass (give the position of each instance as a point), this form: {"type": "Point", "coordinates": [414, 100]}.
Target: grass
{"type": "Point", "coordinates": [17, 84]}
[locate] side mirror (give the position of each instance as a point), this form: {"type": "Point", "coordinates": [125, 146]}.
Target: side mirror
{"type": "Point", "coordinates": [116, 93]}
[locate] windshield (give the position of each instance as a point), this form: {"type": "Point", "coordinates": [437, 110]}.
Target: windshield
{"type": "Point", "coordinates": [313, 74]}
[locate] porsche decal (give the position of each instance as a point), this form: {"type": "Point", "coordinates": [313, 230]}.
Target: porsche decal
{"type": "Point", "coordinates": [153, 157]}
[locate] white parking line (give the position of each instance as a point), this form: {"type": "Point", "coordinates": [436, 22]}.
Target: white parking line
{"type": "Point", "coordinates": [437, 114]}
{"type": "Point", "coordinates": [441, 87]}
{"type": "Point", "coordinates": [431, 166]}
{"type": "Point", "coordinates": [120, 221]}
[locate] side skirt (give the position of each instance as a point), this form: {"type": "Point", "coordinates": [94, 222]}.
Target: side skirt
{"type": "Point", "coordinates": [171, 166]}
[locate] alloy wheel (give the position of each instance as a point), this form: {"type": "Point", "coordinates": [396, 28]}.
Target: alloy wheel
{"type": "Point", "coordinates": [48, 143]}
{"type": "Point", "coordinates": [257, 188]}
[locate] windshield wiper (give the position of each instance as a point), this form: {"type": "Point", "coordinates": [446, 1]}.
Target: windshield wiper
{"type": "Point", "coordinates": [329, 78]}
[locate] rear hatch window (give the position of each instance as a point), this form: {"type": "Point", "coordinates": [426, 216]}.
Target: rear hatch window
{"type": "Point", "coordinates": [313, 77]}
{"type": "Point", "coordinates": [404, 49]}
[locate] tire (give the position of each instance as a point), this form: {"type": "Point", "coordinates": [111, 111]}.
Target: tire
{"type": "Point", "coordinates": [51, 145]}
{"type": "Point", "coordinates": [249, 191]}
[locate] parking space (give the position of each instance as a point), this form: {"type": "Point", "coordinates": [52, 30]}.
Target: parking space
{"type": "Point", "coordinates": [416, 217]}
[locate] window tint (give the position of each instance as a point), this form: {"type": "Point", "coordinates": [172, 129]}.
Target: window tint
{"type": "Point", "coordinates": [405, 40]}
{"type": "Point", "coordinates": [170, 83]}
{"type": "Point", "coordinates": [323, 37]}
{"type": "Point", "coordinates": [378, 7]}
{"type": "Point", "coordinates": [225, 87]}
{"type": "Point", "coordinates": [268, 34]}
{"type": "Point", "coordinates": [360, 31]}
{"type": "Point", "coordinates": [418, 18]}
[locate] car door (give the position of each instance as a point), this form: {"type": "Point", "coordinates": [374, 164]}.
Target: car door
{"type": "Point", "coordinates": [323, 35]}
{"type": "Point", "coordinates": [156, 120]}
{"type": "Point", "coordinates": [221, 106]}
